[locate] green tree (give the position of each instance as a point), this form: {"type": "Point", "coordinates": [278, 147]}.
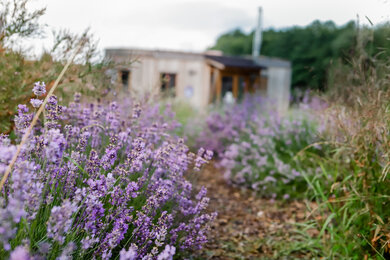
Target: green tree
{"type": "Point", "coordinates": [234, 42]}
{"type": "Point", "coordinates": [311, 49]}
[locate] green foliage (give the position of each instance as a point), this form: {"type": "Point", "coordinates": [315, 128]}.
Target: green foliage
{"type": "Point", "coordinates": [190, 120]}
{"type": "Point", "coordinates": [235, 42]}
{"type": "Point", "coordinates": [354, 211]}
{"type": "Point", "coordinates": [264, 155]}
{"type": "Point", "coordinates": [18, 73]}
{"type": "Point", "coordinates": [312, 49]}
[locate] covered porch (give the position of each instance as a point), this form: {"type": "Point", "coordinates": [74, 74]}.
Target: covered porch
{"type": "Point", "coordinates": [233, 77]}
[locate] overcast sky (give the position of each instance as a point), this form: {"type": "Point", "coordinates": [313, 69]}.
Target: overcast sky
{"type": "Point", "coordinates": [192, 25]}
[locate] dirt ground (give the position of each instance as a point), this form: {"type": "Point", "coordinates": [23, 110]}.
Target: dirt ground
{"type": "Point", "coordinates": [248, 227]}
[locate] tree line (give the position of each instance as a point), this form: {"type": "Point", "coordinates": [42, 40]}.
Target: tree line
{"type": "Point", "coordinates": [314, 50]}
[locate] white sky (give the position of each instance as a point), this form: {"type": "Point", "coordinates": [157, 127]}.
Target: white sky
{"type": "Point", "coordinates": [195, 25]}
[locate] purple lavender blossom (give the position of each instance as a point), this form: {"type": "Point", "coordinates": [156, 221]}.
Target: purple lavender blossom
{"type": "Point", "coordinates": [136, 111]}
{"type": "Point", "coordinates": [7, 228]}
{"type": "Point", "coordinates": [117, 169]}
{"type": "Point", "coordinates": [109, 158]}
{"type": "Point", "coordinates": [20, 253]}
{"type": "Point", "coordinates": [202, 158]}
{"type": "Point", "coordinates": [130, 254]}
{"type": "Point", "coordinates": [6, 153]}
{"type": "Point", "coordinates": [55, 144]}
{"type": "Point", "coordinates": [88, 242]}
{"type": "Point", "coordinates": [67, 252]}
{"type": "Point", "coordinates": [167, 254]}
{"type": "Point", "coordinates": [39, 88]}
{"type": "Point", "coordinates": [23, 119]}
{"type": "Point", "coordinates": [118, 232]}
{"type": "Point", "coordinates": [77, 97]}
{"type": "Point", "coordinates": [60, 221]}
{"type": "Point", "coordinates": [36, 102]}
{"type": "Point", "coordinates": [25, 198]}
{"type": "Point", "coordinates": [257, 150]}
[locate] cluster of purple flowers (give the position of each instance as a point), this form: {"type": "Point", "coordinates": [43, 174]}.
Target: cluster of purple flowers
{"type": "Point", "coordinates": [257, 147]}
{"type": "Point", "coordinates": [39, 90]}
{"type": "Point", "coordinates": [101, 181]}
{"type": "Point", "coordinates": [224, 127]}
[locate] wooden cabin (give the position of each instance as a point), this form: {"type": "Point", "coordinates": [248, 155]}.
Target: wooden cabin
{"type": "Point", "coordinates": [235, 75]}
{"type": "Point", "coordinates": [201, 78]}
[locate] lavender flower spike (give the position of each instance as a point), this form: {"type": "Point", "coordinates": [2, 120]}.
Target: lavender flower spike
{"type": "Point", "coordinates": [131, 254]}
{"type": "Point", "coordinates": [36, 102]}
{"type": "Point", "coordinates": [39, 88]}
{"type": "Point", "coordinates": [60, 221]}
{"type": "Point", "coordinates": [167, 254]}
{"type": "Point", "coordinates": [20, 253]}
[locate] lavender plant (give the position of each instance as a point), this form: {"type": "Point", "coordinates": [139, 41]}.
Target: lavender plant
{"type": "Point", "coordinates": [224, 127]}
{"type": "Point", "coordinates": [258, 148]}
{"type": "Point", "coordinates": [100, 181]}
{"type": "Point", "coordinates": [263, 158]}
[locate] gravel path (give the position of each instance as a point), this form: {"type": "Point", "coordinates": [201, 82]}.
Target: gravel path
{"type": "Point", "coordinates": [248, 227]}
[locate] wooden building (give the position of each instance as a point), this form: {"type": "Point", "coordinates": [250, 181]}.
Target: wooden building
{"type": "Point", "coordinates": [233, 74]}
{"type": "Point", "coordinates": [201, 78]}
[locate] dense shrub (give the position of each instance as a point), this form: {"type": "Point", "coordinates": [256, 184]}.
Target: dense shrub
{"type": "Point", "coordinates": [100, 181]}
{"type": "Point", "coordinates": [258, 148]}
{"type": "Point", "coordinates": [263, 157]}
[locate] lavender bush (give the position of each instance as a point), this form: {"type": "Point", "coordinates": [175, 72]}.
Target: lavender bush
{"type": "Point", "coordinates": [258, 148]}
{"type": "Point", "coordinates": [224, 127]}
{"type": "Point", "coordinates": [100, 181]}
{"type": "Point", "coordinates": [264, 157]}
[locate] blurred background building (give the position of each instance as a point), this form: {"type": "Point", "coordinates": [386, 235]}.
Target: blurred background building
{"type": "Point", "coordinates": [204, 78]}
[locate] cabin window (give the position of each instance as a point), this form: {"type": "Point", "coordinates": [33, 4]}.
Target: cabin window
{"type": "Point", "coordinates": [168, 84]}
{"type": "Point", "coordinates": [125, 78]}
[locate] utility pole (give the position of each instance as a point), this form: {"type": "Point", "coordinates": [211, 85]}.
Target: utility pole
{"type": "Point", "coordinates": [256, 46]}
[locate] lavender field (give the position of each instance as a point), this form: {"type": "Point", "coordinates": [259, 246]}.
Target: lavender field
{"type": "Point", "coordinates": [89, 182]}
{"type": "Point", "coordinates": [92, 169]}
{"type": "Point", "coordinates": [113, 180]}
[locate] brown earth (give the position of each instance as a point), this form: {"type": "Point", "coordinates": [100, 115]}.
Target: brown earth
{"type": "Point", "coordinates": [249, 227]}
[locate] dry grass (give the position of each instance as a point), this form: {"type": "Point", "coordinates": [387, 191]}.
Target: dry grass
{"type": "Point", "coordinates": [27, 133]}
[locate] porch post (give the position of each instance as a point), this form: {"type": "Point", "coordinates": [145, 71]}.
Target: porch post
{"type": "Point", "coordinates": [218, 85]}
{"type": "Point", "coordinates": [235, 86]}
